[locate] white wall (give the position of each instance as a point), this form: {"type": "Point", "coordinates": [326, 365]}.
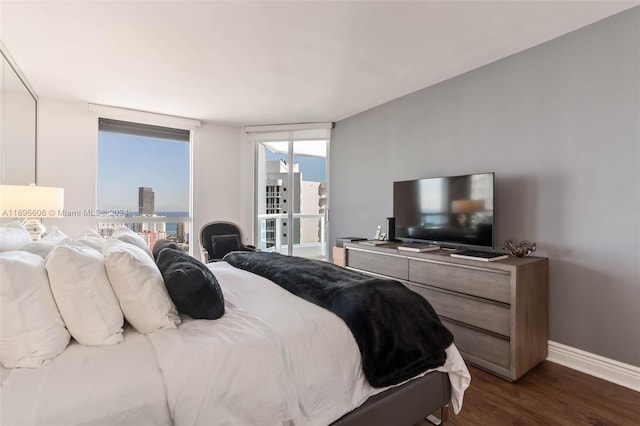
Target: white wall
{"type": "Point", "coordinates": [66, 153]}
{"type": "Point", "coordinates": [67, 157]}
{"type": "Point", "coordinates": [223, 178]}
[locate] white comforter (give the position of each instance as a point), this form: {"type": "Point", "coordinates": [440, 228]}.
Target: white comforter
{"type": "Point", "coordinates": [272, 359]}
{"type": "Point", "coordinates": [230, 371]}
{"type": "Point", "coordinates": [106, 385]}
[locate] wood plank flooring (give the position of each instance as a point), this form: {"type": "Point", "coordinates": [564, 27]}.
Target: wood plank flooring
{"type": "Point", "coordinates": [550, 394]}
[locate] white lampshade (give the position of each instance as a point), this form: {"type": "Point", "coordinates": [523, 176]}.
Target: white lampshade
{"type": "Point", "coordinates": [30, 201]}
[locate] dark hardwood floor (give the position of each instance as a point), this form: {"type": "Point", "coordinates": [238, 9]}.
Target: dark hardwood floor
{"type": "Point", "coordinates": [550, 394]}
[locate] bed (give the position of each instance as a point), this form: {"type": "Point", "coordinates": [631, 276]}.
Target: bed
{"type": "Point", "coordinates": [271, 359]}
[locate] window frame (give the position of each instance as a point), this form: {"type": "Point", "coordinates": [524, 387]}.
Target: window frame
{"type": "Point", "coordinates": [159, 120]}
{"type": "Point", "coordinates": [291, 140]}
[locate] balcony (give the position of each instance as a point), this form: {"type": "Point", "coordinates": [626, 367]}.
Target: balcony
{"type": "Point", "coordinates": [307, 231]}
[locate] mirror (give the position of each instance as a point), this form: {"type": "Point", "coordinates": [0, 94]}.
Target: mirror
{"type": "Point", "coordinates": [18, 115]}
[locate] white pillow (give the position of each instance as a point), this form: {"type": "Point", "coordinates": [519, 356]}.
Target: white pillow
{"type": "Point", "coordinates": [91, 238]}
{"type": "Point", "coordinates": [13, 236]}
{"type": "Point", "coordinates": [44, 245]}
{"type": "Point", "coordinates": [32, 330]}
{"type": "Point", "coordinates": [82, 290]}
{"type": "Point", "coordinates": [55, 235]}
{"type": "Point", "coordinates": [139, 286]}
{"type": "Point", "coordinates": [128, 236]}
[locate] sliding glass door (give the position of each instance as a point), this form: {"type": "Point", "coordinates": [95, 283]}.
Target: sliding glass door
{"type": "Point", "coordinates": [292, 197]}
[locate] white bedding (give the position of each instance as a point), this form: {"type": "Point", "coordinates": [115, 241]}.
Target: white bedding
{"type": "Point", "coordinates": [272, 359]}
{"type": "Point", "coordinates": [99, 385]}
{"type": "Point", "coordinates": [324, 358]}
{"type": "Point", "coordinates": [225, 372]}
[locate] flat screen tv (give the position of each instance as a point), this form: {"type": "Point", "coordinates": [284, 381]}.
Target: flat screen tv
{"type": "Point", "coordinates": [452, 211]}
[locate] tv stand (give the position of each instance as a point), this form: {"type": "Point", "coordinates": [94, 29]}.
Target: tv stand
{"type": "Point", "coordinates": [497, 311]}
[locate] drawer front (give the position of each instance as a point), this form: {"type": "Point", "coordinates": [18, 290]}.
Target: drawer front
{"type": "Point", "coordinates": [481, 282]}
{"type": "Point", "coordinates": [477, 312]}
{"type": "Point", "coordinates": [481, 346]}
{"type": "Point", "coordinates": [393, 266]}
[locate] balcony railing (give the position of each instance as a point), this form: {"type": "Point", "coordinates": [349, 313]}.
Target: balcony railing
{"type": "Point", "coordinates": [150, 228]}
{"type": "Point", "coordinates": [310, 233]}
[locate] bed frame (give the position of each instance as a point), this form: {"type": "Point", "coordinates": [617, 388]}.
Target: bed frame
{"type": "Point", "coordinates": [404, 405]}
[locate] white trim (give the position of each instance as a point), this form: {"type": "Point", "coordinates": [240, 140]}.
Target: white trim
{"type": "Point", "coordinates": [287, 127]}
{"type": "Point", "coordinates": [18, 71]}
{"type": "Point", "coordinates": [595, 365]}
{"type": "Point", "coordinates": [144, 117]}
{"type": "Point", "coordinates": [193, 187]}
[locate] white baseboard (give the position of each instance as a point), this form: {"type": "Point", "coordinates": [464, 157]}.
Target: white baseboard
{"type": "Point", "coordinates": [604, 368]}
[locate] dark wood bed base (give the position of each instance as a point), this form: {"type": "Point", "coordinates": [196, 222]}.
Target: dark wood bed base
{"type": "Point", "coordinates": [404, 405]}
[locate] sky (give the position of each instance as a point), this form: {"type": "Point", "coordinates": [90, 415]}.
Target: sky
{"type": "Point", "coordinates": [127, 162]}
{"type": "Point", "coordinates": [314, 169]}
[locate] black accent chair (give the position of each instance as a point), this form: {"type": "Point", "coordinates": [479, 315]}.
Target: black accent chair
{"type": "Point", "coordinates": [219, 238]}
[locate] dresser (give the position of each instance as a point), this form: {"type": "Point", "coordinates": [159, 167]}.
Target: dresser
{"type": "Point", "coordinates": [497, 311]}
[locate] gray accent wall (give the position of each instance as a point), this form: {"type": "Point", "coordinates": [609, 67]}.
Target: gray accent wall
{"type": "Point", "coordinates": [559, 124]}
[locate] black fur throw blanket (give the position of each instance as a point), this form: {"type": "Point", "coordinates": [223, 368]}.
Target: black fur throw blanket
{"type": "Point", "coordinates": [397, 330]}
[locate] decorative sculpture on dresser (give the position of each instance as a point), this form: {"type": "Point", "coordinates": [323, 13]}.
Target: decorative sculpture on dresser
{"type": "Point", "coordinates": [522, 249]}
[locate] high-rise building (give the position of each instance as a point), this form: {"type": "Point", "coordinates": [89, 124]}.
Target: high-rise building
{"type": "Point", "coordinates": [180, 231]}
{"type": "Point", "coordinates": [311, 194]}
{"type": "Point", "coordinates": [279, 199]}
{"type": "Point", "coordinates": [146, 198]}
{"type": "Point", "coordinates": [151, 237]}
{"type": "Point", "coordinates": [146, 207]}
{"type": "Point", "coordinates": [305, 197]}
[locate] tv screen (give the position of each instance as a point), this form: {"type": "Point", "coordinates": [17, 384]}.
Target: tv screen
{"type": "Point", "coordinates": [450, 211]}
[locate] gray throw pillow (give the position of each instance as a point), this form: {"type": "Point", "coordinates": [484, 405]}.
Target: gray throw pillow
{"type": "Point", "coordinates": [223, 244]}
{"type": "Point", "coordinates": [191, 285]}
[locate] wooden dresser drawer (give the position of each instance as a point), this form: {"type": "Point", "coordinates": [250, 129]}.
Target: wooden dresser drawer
{"type": "Point", "coordinates": [497, 311]}
{"type": "Point", "coordinates": [392, 266]}
{"type": "Point", "coordinates": [338, 256]}
{"type": "Point", "coordinates": [484, 347]}
{"type": "Point", "coordinates": [469, 310]}
{"type": "Point", "coordinates": [476, 281]}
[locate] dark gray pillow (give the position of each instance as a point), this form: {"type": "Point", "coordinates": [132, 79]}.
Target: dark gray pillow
{"type": "Point", "coordinates": [163, 244]}
{"type": "Point", "coordinates": [191, 285]}
{"type": "Point", "coordinates": [223, 244]}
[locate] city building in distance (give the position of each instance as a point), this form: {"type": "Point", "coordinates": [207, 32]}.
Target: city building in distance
{"type": "Point", "coordinates": [156, 227]}
{"type": "Point", "coordinates": [146, 201]}
{"type": "Point", "coordinates": [305, 197]}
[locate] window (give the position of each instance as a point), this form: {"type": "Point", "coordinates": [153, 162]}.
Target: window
{"type": "Point", "coordinates": [291, 187]}
{"type": "Point", "coordinates": [144, 180]}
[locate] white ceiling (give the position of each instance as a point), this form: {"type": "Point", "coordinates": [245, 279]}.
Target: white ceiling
{"type": "Point", "coordinates": [270, 62]}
